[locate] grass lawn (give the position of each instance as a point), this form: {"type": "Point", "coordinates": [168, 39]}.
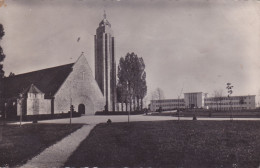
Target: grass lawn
{"type": "Point", "coordinates": [171, 144]}
{"type": "Point", "coordinates": [222, 114]}
{"type": "Point", "coordinates": [19, 144]}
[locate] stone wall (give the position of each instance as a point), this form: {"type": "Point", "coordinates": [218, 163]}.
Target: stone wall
{"type": "Point", "coordinates": [79, 88]}
{"type": "Point", "coordinates": [34, 105]}
{"type": "Point", "coordinates": [38, 106]}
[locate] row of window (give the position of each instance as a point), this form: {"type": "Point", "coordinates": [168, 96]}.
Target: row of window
{"type": "Point", "coordinates": [206, 99]}
{"type": "Point", "coordinates": [227, 98]}
{"type": "Point", "coordinates": [228, 108]}
{"type": "Point", "coordinates": [170, 105]}
{"type": "Point", "coordinates": [206, 104]}
{"type": "Point", "coordinates": [165, 104]}
{"type": "Point", "coordinates": [227, 103]}
{"type": "Point", "coordinates": [170, 100]}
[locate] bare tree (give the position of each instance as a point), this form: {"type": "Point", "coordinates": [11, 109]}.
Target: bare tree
{"type": "Point", "coordinates": [230, 91]}
{"type": "Point", "coordinates": [158, 94]}
{"type": "Point", "coordinates": [241, 102]}
{"type": "Point", "coordinates": [218, 97]}
{"type": "Point", "coordinates": [178, 110]}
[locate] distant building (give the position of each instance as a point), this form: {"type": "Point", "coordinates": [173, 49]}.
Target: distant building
{"type": "Point", "coordinates": [199, 100]}
{"type": "Point", "coordinates": [194, 100]}
{"type": "Point", "coordinates": [233, 102]}
{"type": "Point", "coordinates": [52, 90]}
{"type": "Point", "coordinates": [105, 63]}
{"type": "Point", "coordinates": [167, 104]}
{"type": "Point", "coordinates": [191, 100]}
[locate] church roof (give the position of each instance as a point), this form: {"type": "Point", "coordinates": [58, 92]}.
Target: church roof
{"type": "Point", "coordinates": [46, 81]}
{"type": "Point", "coordinates": [32, 89]}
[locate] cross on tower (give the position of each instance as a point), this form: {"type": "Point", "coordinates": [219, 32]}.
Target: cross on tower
{"type": "Point", "coordinates": [105, 15]}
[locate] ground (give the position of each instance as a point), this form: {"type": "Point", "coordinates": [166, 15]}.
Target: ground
{"type": "Point", "coordinates": [210, 113]}
{"type": "Point", "coordinates": [19, 144]}
{"type": "Point", "coordinates": [171, 144]}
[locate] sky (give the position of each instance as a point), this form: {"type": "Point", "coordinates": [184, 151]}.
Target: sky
{"type": "Point", "coordinates": [189, 45]}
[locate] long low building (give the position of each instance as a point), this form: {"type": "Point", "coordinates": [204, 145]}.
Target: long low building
{"type": "Point", "coordinates": [167, 104]}
{"type": "Point", "coordinates": [233, 102]}
{"type": "Point", "coordinates": [200, 100]}
{"type": "Point", "coordinates": [194, 100]}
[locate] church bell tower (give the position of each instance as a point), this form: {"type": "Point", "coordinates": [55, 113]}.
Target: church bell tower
{"type": "Point", "coordinates": [105, 64]}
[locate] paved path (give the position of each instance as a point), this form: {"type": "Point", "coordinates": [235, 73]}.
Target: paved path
{"type": "Point", "coordinates": [57, 154]}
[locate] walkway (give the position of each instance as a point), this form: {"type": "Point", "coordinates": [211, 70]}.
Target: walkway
{"type": "Point", "coordinates": [57, 154]}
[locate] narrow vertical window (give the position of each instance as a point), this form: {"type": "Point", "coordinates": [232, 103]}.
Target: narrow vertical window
{"type": "Point", "coordinates": [83, 75]}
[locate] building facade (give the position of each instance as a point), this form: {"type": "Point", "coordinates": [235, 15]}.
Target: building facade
{"type": "Point", "coordinates": [199, 100]}
{"type": "Point", "coordinates": [53, 91]}
{"type": "Point", "coordinates": [33, 102]}
{"type": "Point", "coordinates": [105, 63]}
{"type": "Point", "coordinates": [232, 102]}
{"type": "Point", "coordinates": [194, 100]}
{"type": "Point", "coordinates": [167, 104]}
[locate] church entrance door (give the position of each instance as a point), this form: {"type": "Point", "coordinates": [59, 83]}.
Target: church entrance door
{"type": "Point", "coordinates": [81, 108]}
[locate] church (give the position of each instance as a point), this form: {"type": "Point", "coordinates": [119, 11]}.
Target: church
{"type": "Point", "coordinates": [54, 90]}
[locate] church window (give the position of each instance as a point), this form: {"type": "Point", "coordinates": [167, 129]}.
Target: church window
{"type": "Point", "coordinates": [83, 75]}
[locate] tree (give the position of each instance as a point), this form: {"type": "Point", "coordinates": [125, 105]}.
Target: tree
{"type": "Point", "coordinates": [121, 94]}
{"type": "Point", "coordinates": [2, 55]}
{"type": "Point", "coordinates": [131, 86]}
{"type": "Point", "coordinates": [143, 90]}
{"type": "Point", "coordinates": [11, 74]}
{"type": "Point", "coordinates": [122, 85]}
{"type": "Point", "coordinates": [158, 94]}
{"type": "Point", "coordinates": [218, 97]}
{"type": "Point", "coordinates": [241, 102]}
{"type": "Point", "coordinates": [140, 89]}
{"type": "Point", "coordinates": [230, 91]}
